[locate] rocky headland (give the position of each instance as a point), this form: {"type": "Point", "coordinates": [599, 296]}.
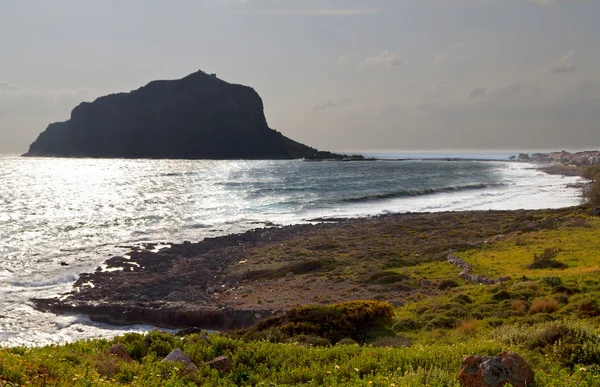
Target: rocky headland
{"type": "Point", "coordinates": [197, 117]}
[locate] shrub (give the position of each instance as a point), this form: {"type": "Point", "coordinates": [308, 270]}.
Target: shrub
{"type": "Point", "coordinates": [310, 341]}
{"type": "Point", "coordinates": [546, 260]}
{"type": "Point", "coordinates": [463, 299]}
{"type": "Point", "coordinates": [392, 342]}
{"type": "Point", "coordinates": [358, 320]}
{"type": "Point", "coordinates": [542, 305]}
{"type": "Point", "coordinates": [591, 172]}
{"type": "Point", "coordinates": [468, 327]}
{"type": "Point", "coordinates": [501, 295]}
{"type": "Point", "coordinates": [551, 281]}
{"type": "Point", "coordinates": [406, 324]}
{"type": "Point", "coordinates": [347, 341]}
{"type": "Point", "coordinates": [386, 277]}
{"type": "Point", "coordinates": [518, 306]}
{"type": "Point", "coordinates": [592, 193]}
{"type": "Point", "coordinates": [447, 284]}
{"type": "Point", "coordinates": [587, 308]}
{"type": "Point", "coordinates": [444, 322]}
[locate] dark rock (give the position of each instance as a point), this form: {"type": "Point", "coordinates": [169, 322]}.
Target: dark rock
{"type": "Point", "coordinates": [496, 371]}
{"type": "Point", "coordinates": [63, 263]}
{"type": "Point", "coordinates": [119, 351]}
{"type": "Point", "coordinates": [196, 117]}
{"type": "Point", "coordinates": [177, 355]}
{"type": "Point", "coordinates": [595, 211]}
{"type": "Point", "coordinates": [221, 363]}
{"type": "Point", "coordinates": [396, 303]}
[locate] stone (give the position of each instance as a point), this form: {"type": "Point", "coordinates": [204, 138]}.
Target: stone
{"type": "Point", "coordinates": [177, 355]}
{"type": "Point", "coordinates": [119, 351]}
{"type": "Point", "coordinates": [196, 117]}
{"type": "Point", "coordinates": [596, 211]}
{"type": "Point", "coordinates": [496, 371]}
{"type": "Point", "coordinates": [221, 363]}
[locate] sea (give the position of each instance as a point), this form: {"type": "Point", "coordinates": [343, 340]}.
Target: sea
{"type": "Point", "coordinates": [62, 217]}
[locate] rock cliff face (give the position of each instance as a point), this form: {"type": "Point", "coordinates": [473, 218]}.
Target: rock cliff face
{"type": "Point", "coordinates": [196, 117]}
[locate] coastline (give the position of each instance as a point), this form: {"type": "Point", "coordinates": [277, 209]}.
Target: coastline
{"type": "Point", "coordinates": [234, 281]}
{"type": "Point", "coordinates": [66, 326]}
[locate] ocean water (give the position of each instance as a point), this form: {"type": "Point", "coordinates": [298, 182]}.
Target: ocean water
{"type": "Point", "coordinates": [78, 211]}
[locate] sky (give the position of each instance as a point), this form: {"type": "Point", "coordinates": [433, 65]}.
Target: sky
{"type": "Point", "coordinates": [339, 75]}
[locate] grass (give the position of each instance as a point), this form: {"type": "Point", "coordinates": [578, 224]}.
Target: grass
{"type": "Point", "coordinates": [550, 316]}
{"type": "Point", "coordinates": [577, 248]}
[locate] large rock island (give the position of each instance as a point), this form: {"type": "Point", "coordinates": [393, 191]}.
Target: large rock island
{"type": "Point", "coordinates": [196, 117]}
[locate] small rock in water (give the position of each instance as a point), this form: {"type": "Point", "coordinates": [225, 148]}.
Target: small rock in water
{"type": "Point", "coordinates": [177, 355]}
{"type": "Point", "coordinates": [63, 263]}
{"type": "Point", "coordinates": [496, 371]}
{"type": "Point", "coordinates": [221, 363]}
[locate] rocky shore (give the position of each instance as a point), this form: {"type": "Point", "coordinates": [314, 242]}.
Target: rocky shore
{"type": "Point", "coordinates": [233, 281]}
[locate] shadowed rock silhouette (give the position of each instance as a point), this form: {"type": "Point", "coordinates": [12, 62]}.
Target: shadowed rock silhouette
{"type": "Point", "coordinates": [196, 117]}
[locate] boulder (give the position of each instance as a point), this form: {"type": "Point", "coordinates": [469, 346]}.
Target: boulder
{"type": "Point", "coordinates": [119, 351]}
{"type": "Point", "coordinates": [221, 363]}
{"type": "Point", "coordinates": [496, 371]}
{"type": "Point", "coordinates": [177, 355]}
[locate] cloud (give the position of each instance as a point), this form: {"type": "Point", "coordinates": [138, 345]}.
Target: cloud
{"type": "Point", "coordinates": [567, 64]}
{"type": "Point", "coordinates": [332, 103]}
{"type": "Point", "coordinates": [321, 12]}
{"type": "Point", "coordinates": [344, 58]}
{"type": "Point", "coordinates": [33, 101]}
{"type": "Point", "coordinates": [456, 50]}
{"type": "Point", "coordinates": [555, 2]}
{"type": "Point", "coordinates": [386, 60]}
{"type": "Point", "coordinates": [477, 92]}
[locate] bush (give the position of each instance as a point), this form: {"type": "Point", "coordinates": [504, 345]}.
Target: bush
{"type": "Point", "coordinates": [591, 172]}
{"type": "Point", "coordinates": [347, 341]}
{"type": "Point", "coordinates": [469, 327]}
{"type": "Point", "coordinates": [447, 284]}
{"type": "Point", "coordinates": [592, 193]}
{"type": "Point", "coordinates": [518, 306]}
{"type": "Point", "coordinates": [463, 299]}
{"type": "Point", "coordinates": [386, 277]}
{"type": "Point", "coordinates": [542, 305]}
{"type": "Point", "coordinates": [501, 295]}
{"type": "Point", "coordinates": [442, 322]}
{"type": "Point", "coordinates": [546, 260]}
{"type": "Point", "coordinates": [406, 324]}
{"type": "Point", "coordinates": [310, 341]}
{"type": "Point", "coordinates": [551, 281]}
{"type": "Point", "coordinates": [587, 308]}
{"type": "Point", "coordinates": [392, 342]}
{"type": "Point", "coordinates": [358, 320]}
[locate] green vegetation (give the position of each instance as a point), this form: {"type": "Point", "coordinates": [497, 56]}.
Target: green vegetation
{"type": "Point", "coordinates": [547, 313]}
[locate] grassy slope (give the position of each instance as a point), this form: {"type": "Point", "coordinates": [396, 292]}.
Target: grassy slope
{"type": "Point", "coordinates": [547, 315]}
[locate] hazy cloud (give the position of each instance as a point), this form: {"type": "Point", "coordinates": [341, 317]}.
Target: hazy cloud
{"type": "Point", "coordinates": [454, 51]}
{"type": "Point", "coordinates": [321, 12]}
{"type": "Point", "coordinates": [554, 2]}
{"type": "Point", "coordinates": [566, 64]}
{"type": "Point", "coordinates": [332, 103]}
{"type": "Point", "coordinates": [477, 92]}
{"type": "Point", "coordinates": [386, 60]}
{"type": "Point", "coordinates": [344, 58]}
{"type": "Point", "coordinates": [17, 100]}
